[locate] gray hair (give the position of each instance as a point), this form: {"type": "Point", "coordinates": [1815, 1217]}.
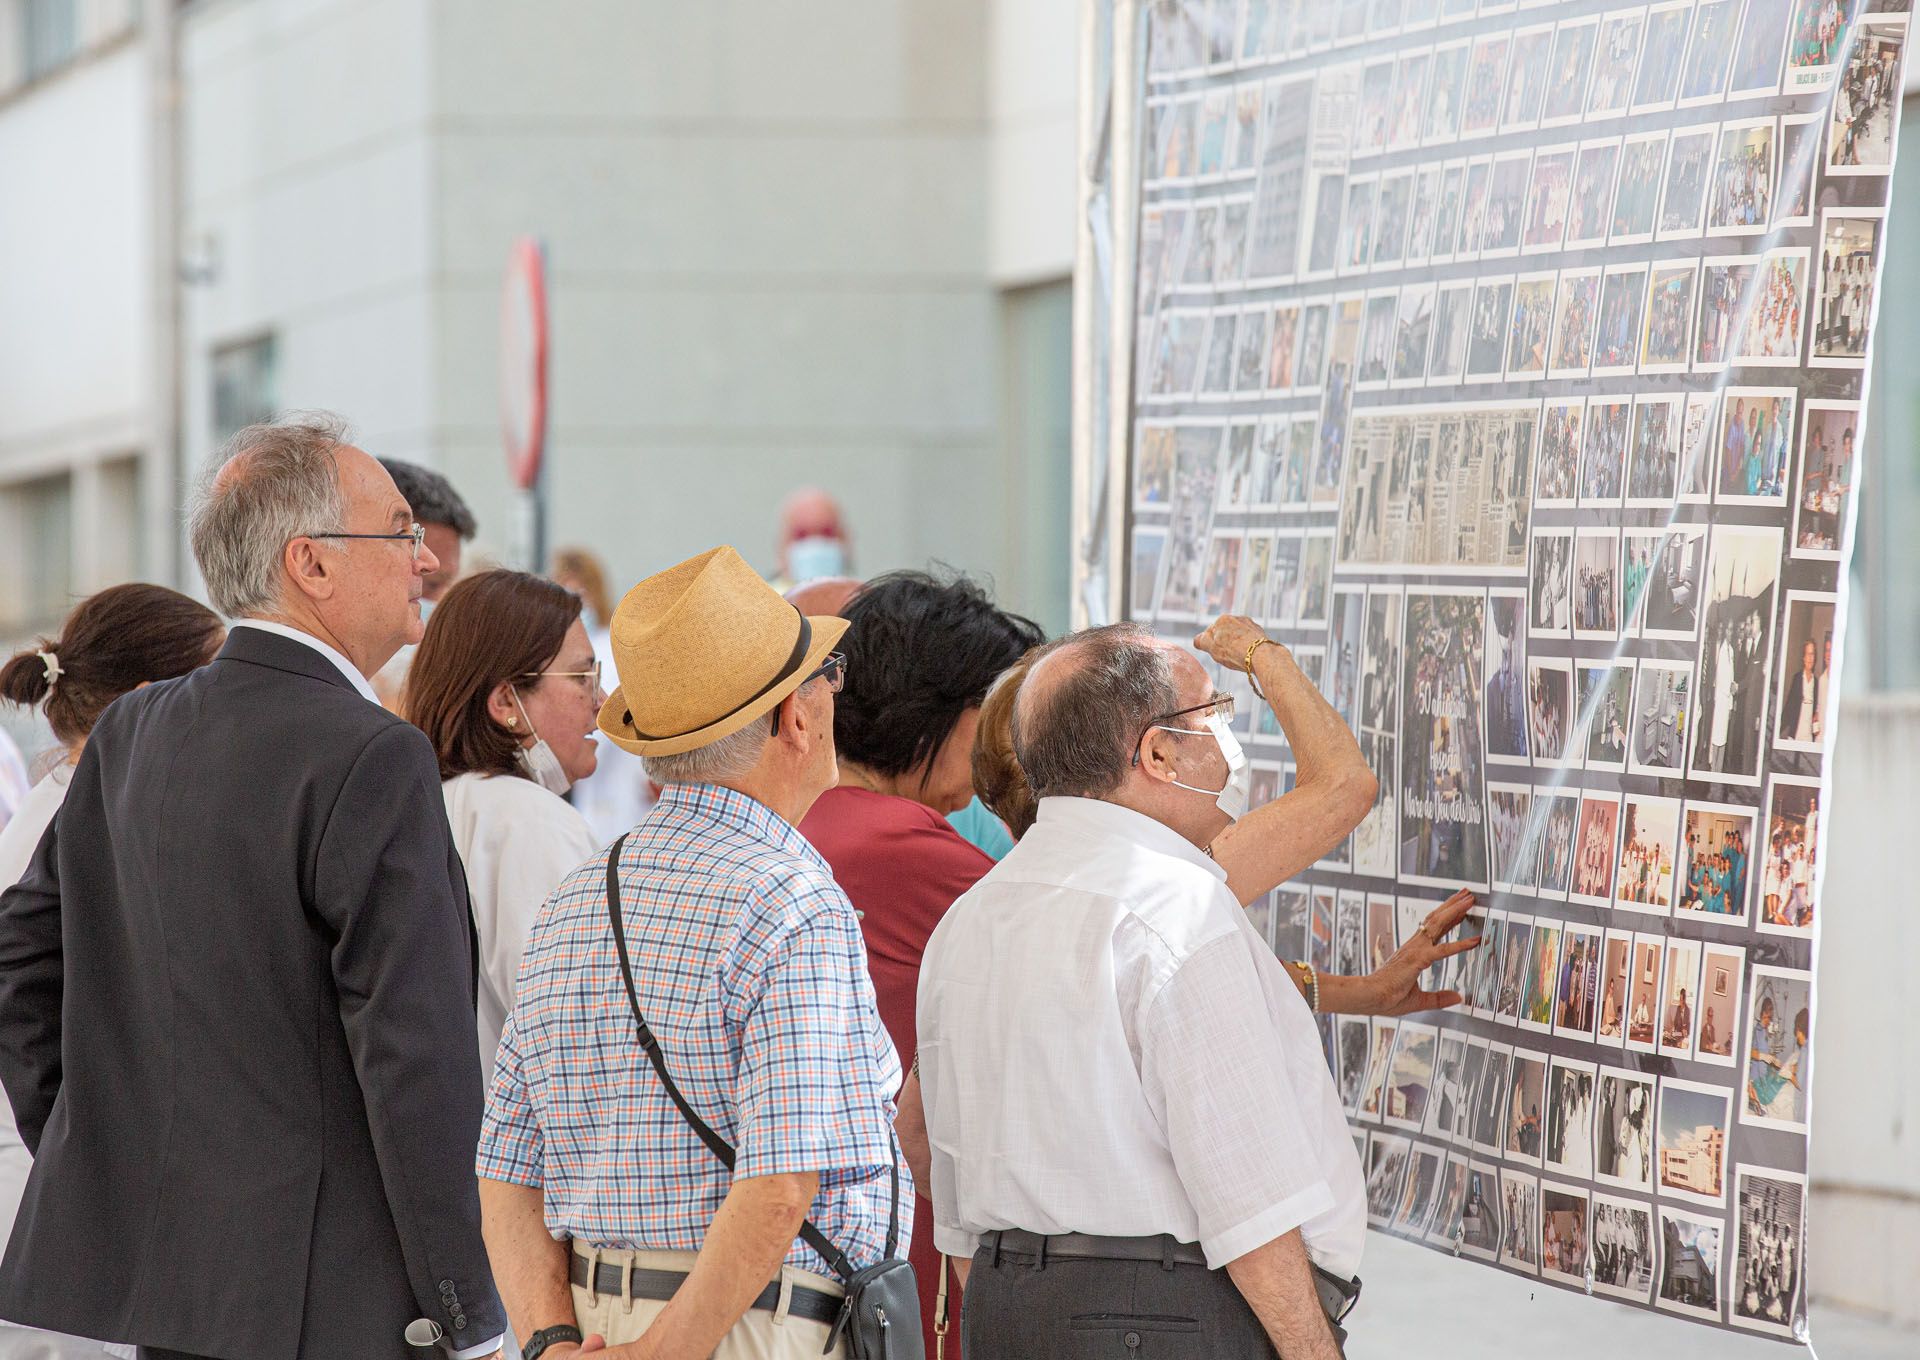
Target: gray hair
{"type": "Point", "coordinates": [271, 484]}
{"type": "Point", "coordinates": [732, 757]}
{"type": "Point", "coordinates": [1074, 732]}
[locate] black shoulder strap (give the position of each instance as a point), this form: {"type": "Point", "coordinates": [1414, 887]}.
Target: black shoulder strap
{"type": "Point", "coordinates": [717, 1145]}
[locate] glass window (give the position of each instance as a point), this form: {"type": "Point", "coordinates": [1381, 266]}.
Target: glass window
{"type": "Point", "coordinates": [39, 518]}
{"type": "Point", "coordinates": [244, 381]}
{"type": "Point", "coordinates": [49, 34]}
{"type": "Point", "coordinates": [1037, 388]}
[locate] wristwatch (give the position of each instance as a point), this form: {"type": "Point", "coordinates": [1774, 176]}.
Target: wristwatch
{"type": "Point", "coordinates": [548, 1336]}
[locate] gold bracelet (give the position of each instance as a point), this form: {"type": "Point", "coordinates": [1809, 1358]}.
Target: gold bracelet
{"type": "Point", "coordinates": [1247, 665]}
{"type": "Point", "coordinates": [1313, 984]}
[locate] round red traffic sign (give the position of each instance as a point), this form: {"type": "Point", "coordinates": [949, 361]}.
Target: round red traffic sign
{"type": "Point", "coordinates": [523, 361]}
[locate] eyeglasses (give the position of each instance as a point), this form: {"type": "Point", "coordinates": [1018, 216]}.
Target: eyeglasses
{"type": "Point", "coordinates": [1220, 706]}
{"type": "Point", "coordinates": [415, 533]}
{"type": "Point", "coordinates": [833, 670]}
{"type": "Point", "coordinates": [593, 676]}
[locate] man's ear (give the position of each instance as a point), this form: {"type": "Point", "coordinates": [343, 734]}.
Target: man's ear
{"type": "Point", "coordinates": [1156, 752]}
{"type": "Point", "coordinates": [311, 568]}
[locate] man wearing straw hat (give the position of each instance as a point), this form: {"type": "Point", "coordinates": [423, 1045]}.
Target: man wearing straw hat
{"type": "Point", "coordinates": [606, 1213]}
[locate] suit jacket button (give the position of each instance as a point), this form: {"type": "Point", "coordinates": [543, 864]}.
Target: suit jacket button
{"type": "Point", "coordinates": [459, 1322]}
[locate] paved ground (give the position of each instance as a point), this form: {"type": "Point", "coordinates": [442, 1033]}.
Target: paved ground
{"type": "Point", "coordinates": [1422, 1305]}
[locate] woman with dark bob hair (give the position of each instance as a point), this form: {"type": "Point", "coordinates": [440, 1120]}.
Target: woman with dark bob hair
{"type": "Point", "coordinates": [506, 687]}
{"type": "Point", "coordinates": [921, 654]}
{"type": "Point", "coordinates": [111, 644]}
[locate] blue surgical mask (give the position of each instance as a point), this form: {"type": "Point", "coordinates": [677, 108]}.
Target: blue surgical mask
{"type": "Point", "coordinates": [426, 609]}
{"type": "Point", "coordinates": [809, 559]}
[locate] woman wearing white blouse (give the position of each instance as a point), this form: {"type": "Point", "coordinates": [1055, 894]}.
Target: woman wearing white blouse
{"type": "Point", "coordinates": [506, 686]}
{"type": "Point", "coordinates": [113, 642]}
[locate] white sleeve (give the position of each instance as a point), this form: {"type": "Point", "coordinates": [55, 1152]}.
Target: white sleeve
{"type": "Point", "coordinates": [517, 862]}
{"type": "Point", "coordinates": [1211, 1069]}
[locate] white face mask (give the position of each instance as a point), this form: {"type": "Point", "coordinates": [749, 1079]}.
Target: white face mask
{"type": "Point", "coordinates": [1232, 797]}
{"type": "Point", "coordinates": [539, 762]}
{"type": "Point", "coordinates": [426, 609]}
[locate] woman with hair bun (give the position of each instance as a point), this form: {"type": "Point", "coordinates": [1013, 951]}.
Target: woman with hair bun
{"type": "Point", "coordinates": [111, 644]}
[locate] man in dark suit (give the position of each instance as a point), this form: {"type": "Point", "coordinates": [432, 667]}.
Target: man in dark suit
{"type": "Point", "coordinates": [236, 983]}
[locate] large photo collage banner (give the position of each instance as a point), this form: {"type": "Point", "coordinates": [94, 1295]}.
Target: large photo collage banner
{"type": "Point", "coordinates": [1508, 363]}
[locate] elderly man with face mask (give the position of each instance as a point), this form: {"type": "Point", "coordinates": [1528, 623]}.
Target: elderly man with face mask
{"type": "Point", "coordinates": [1129, 1112]}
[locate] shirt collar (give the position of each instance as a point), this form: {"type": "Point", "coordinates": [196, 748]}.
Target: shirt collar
{"type": "Point", "coordinates": [345, 667]}
{"type": "Point", "coordinates": [740, 811]}
{"type": "Point", "coordinates": [1101, 818]}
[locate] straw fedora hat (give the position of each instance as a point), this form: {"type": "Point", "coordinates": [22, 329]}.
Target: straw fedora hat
{"type": "Point", "coordinates": [702, 649]}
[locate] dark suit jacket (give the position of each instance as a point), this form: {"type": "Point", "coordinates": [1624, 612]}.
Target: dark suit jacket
{"type": "Point", "coordinates": [236, 1027]}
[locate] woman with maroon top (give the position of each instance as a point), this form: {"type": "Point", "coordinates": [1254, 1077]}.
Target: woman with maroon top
{"type": "Point", "coordinates": [921, 654]}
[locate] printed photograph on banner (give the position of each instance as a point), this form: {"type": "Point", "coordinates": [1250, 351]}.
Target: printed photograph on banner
{"type": "Point", "coordinates": [1337, 399]}
{"type": "Point", "coordinates": [1486, 81]}
{"type": "Point", "coordinates": [1490, 1105]}
{"type": "Point", "coordinates": [1283, 602]}
{"type": "Point", "coordinates": [1527, 78]}
{"type": "Point", "coordinates": [1575, 313]}
{"type": "Point", "coordinates": [1736, 655]}
{"type": "Point", "coordinates": [1251, 347]}
{"type": "Point", "coordinates": [1790, 856]}
{"type": "Point", "coordinates": [1506, 704]}
{"type": "Point", "coordinates": [1351, 1047]}
{"type": "Point", "coordinates": [1202, 247]}
{"type": "Point", "coordinates": [1760, 50]}
{"type": "Point", "coordinates": [1689, 1264]}
{"type": "Point", "coordinates": [1449, 1085]}
{"type": "Point", "coordinates": [1446, 94]}
{"type": "Point", "coordinates": [1616, 52]}
{"type": "Point", "coordinates": [1683, 191]}
{"type": "Point", "coordinates": [1672, 610]}
{"type": "Point", "coordinates": [1243, 134]}
{"type": "Point", "coordinates": [1216, 369]}
{"type": "Point", "coordinates": [1617, 337]}
{"type": "Point", "coordinates": [1323, 241]}
{"type": "Point", "coordinates": [1390, 219]}
{"type": "Point", "coordinates": [1443, 839]}
{"type": "Point", "coordinates": [1643, 994]}
{"type": "Point", "coordinates": [1576, 1003]}
{"type": "Point", "coordinates": [1216, 116]}
{"type": "Point", "coordinates": [1506, 205]}
{"type": "Point", "coordinates": [1379, 1056]}
{"type": "Point", "coordinates": [1149, 550]}
{"type": "Point", "coordinates": [1755, 448]}
{"type": "Point", "coordinates": [1174, 364]}
{"type": "Point", "coordinates": [1703, 75]}
{"type": "Point", "coordinates": [1343, 651]}
{"type": "Point", "coordinates": [1589, 214]}
{"type": "Point", "coordinates": [1658, 81]}
{"type": "Point", "coordinates": [1569, 71]}
{"type": "Point", "coordinates": [1623, 1129]}
{"type": "Point", "coordinates": [1659, 742]}
{"type": "Point", "coordinates": [1827, 470]}
{"type": "Point", "coordinates": [1526, 1106]}
{"type": "Point", "coordinates": [1484, 992]}
{"type": "Point", "coordinates": [1614, 965]}
{"type": "Point", "coordinates": [1778, 1073]}
{"type": "Point", "coordinates": [1843, 301]}
{"type": "Point", "coordinates": [1373, 839]}
{"type": "Point", "coordinates": [1410, 1077]}
{"type": "Point", "coordinates": [1376, 341]}
{"type": "Point", "coordinates": [1236, 475]}
{"type": "Point", "coordinates": [1320, 942]}
{"type": "Point", "coordinates": [1480, 1234]}
{"type": "Point", "coordinates": [1283, 333]}
{"type": "Point", "coordinates": [1350, 935]}
{"type": "Point", "coordinates": [1557, 478]}
{"type": "Point", "coordinates": [1623, 1248]}
{"type": "Point", "coordinates": [1199, 450]}
{"type": "Point", "coordinates": [1680, 999]}
{"type": "Point", "coordinates": [1725, 283]}
{"type": "Point", "coordinates": [1175, 46]}
{"type": "Point", "coordinates": [1292, 921]}
{"type": "Point", "coordinates": [1509, 807]}
{"type": "Point", "coordinates": [1412, 335]}
{"type": "Point", "coordinates": [1550, 583]}
{"type": "Point", "coordinates": [1416, 1199]}
{"type": "Point", "coordinates": [1422, 214]}
{"type": "Point", "coordinates": [1717, 845]}
{"type": "Point", "coordinates": [1551, 716]}
{"type": "Point", "coordinates": [1649, 852]}
{"type": "Point", "coordinates": [1653, 460]}
{"type": "Point", "coordinates": [1473, 207]}
{"type": "Point", "coordinates": [1316, 576]}
{"type": "Point", "coordinates": [1387, 1158]}
{"type": "Point", "coordinates": [1693, 1139]}
{"type": "Point", "coordinates": [1520, 1215]}
{"type": "Point", "coordinates": [1161, 231]}
{"type": "Point", "coordinates": [1310, 362]}
{"type": "Point", "coordinates": [1774, 316]}
{"type": "Point", "coordinates": [1865, 115]}
{"type": "Point", "coordinates": [1800, 161]}
{"type": "Point", "coordinates": [1549, 193]}
{"type": "Point", "coordinates": [1407, 109]}
{"type": "Point", "coordinates": [1593, 848]}
{"type": "Point", "coordinates": [1816, 41]}
{"type": "Point", "coordinates": [1376, 101]}
{"type": "Point", "coordinates": [1603, 700]}
{"type": "Point", "coordinates": [1153, 464]}
{"type": "Point", "coordinates": [1596, 569]}
{"type": "Point", "coordinates": [1356, 224]}
{"type": "Point", "coordinates": [1564, 1232]}
{"type": "Point", "coordinates": [1222, 580]}
{"type": "Point", "coordinates": [1528, 332]}
{"type": "Point", "coordinates": [1670, 315]}
{"type": "Point", "coordinates": [1806, 670]}
{"type": "Point", "coordinates": [1453, 312]}
{"type": "Point", "coordinates": [1516, 956]}
{"type": "Point", "coordinates": [1536, 1007]}
{"type": "Point", "coordinates": [1697, 430]}
{"type": "Point", "coordinates": [1448, 1198]}
{"type": "Point", "coordinates": [1769, 1254]}
{"type": "Point", "coordinates": [1722, 969]}
{"type": "Point", "coordinates": [1269, 463]}
{"type": "Point", "coordinates": [1740, 193]}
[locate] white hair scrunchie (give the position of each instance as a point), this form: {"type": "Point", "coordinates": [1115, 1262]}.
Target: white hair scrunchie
{"type": "Point", "coordinates": [51, 664]}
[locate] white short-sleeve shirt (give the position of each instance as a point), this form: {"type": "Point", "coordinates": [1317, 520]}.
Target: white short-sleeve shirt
{"type": "Point", "coordinates": [1107, 1047]}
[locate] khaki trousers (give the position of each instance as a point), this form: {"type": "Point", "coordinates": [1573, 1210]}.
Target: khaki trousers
{"type": "Point", "coordinates": [758, 1335]}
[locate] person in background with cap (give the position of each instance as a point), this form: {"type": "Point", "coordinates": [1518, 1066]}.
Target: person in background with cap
{"type": "Point", "coordinates": [236, 982]}
{"type": "Point", "coordinates": [607, 1216]}
{"type": "Point", "coordinates": [449, 523]}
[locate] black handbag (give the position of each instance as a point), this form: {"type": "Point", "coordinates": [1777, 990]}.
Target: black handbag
{"type": "Point", "coordinates": [881, 1317]}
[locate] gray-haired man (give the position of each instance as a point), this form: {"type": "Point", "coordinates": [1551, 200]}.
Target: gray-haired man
{"type": "Point", "coordinates": [236, 982]}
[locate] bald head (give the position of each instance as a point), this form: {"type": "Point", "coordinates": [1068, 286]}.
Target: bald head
{"type": "Point", "coordinates": [1086, 701]}
{"type": "Point", "coordinates": [827, 596]}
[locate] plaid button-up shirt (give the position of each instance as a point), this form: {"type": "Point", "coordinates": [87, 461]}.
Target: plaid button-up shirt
{"type": "Point", "coordinates": [751, 971]}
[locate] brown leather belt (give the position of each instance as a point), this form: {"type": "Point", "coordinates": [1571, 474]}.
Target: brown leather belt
{"type": "Point", "coordinates": [610, 1279]}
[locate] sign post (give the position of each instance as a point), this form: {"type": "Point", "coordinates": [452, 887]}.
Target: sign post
{"type": "Point", "coordinates": [523, 395]}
